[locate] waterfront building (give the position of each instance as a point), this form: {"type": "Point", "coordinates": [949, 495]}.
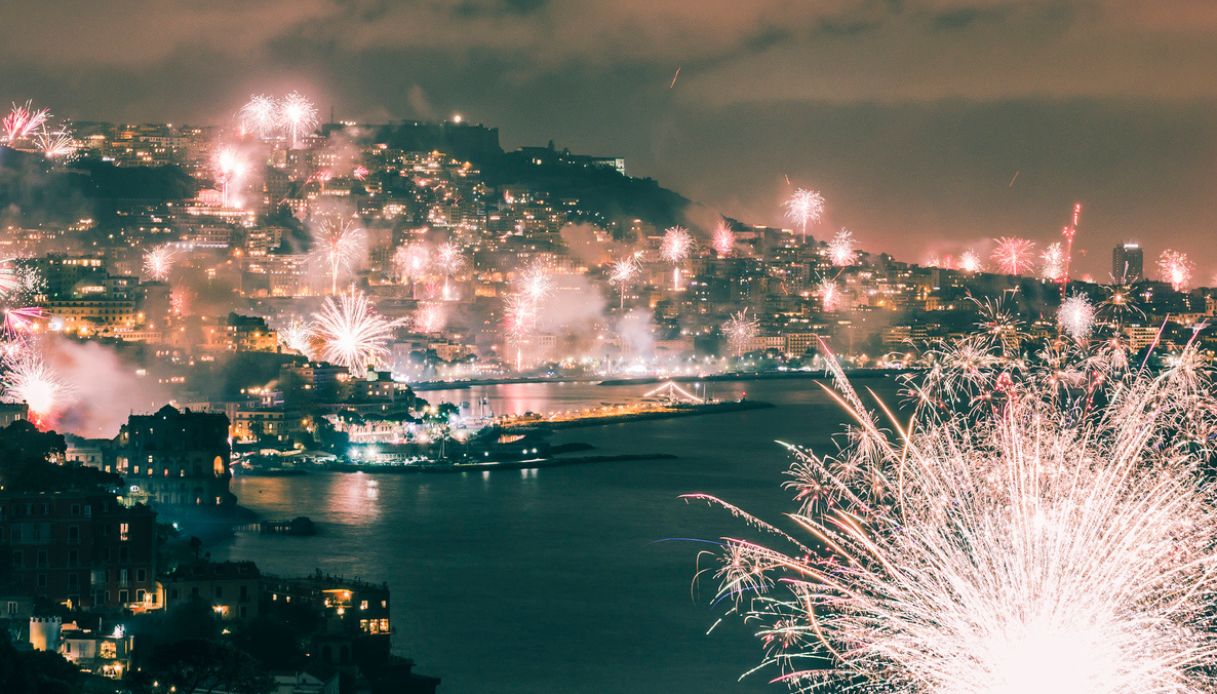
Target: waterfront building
{"type": "Point", "coordinates": [174, 458]}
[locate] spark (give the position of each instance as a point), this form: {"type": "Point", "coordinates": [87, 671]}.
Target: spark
{"type": "Point", "coordinates": [1014, 255]}
{"type": "Point", "coordinates": [1076, 316]}
{"type": "Point", "coordinates": [351, 332]}
{"type": "Point", "coordinates": [804, 207]}
{"type": "Point", "coordinates": [298, 116]}
{"type": "Point", "coordinates": [1176, 269]}
{"type": "Point", "coordinates": [259, 116]}
{"type": "Point", "coordinates": [298, 337]}
{"type": "Point", "coordinates": [842, 248]}
{"type": "Point", "coordinates": [739, 330]}
{"type": "Point", "coordinates": [830, 295]}
{"type": "Point", "coordinates": [1057, 535]}
{"type": "Point", "coordinates": [675, 76]}
{"type": "Point", "coordinates": [676, 245]}
{"type": "Point", "coordinates": [623, 273]}
{"type": "Point", "coordinates": [23, 121]}
{"type": "Point", "coordinates": [449, 259]}
{"type": "Point", "coordinates": [55, 144]}
{"type": "Point", "coordinates": [536, 283]}
{"type": "Point", "coordinates": [159, 261]}
{"type": "Point", "coordinates": [723, 240]}
{"type": "Point", "coordinates": [430, 318]}
{"type": "Point", "coordinates": [338, 243]}
{"type": "Point", "coordinates": [970, 262]}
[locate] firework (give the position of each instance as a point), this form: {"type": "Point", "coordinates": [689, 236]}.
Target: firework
{"type": "Point", "coordinates": [676, 245]}
{"type": "Point", "coordinates": [623, 273]}
{"type": "Point", "coordinates": [970, 262]}
{"type": "Point", "coordinates": [841, 249]}
{"type": "Point", "coordinates": [1176, 269]}
{"type": "Point", "coordinates": [298, 337]}
{"type": "Point", "coordinates": [259, 116]}
{"type": "Point", "coordinates": [449, 259]}
{"type": "Point", "coordinates": [430, 318]}
{"type": "Point", "coordinates": [158, 262]}
{"type": "Point", "coordinates": [55, 144]}
{"type": "Point", "coordinates": [723, 240]}
{"type": "Point", "coordinates": [739, 330]}
{"type": "Point", "coordinates": [23, 121]}
{"type": "Point", "coordinates": [1057, 535]}
{"type": "Point", "coordinates": [1076, 316]}
{"type": "Point", "coordinates": [298, 116]}
{"type": "Point", "coordinates": [28, 379]}
{"type": "Point", "coordinates": [337, 244]}
{"type": "Point", "coordinates": [804, 207]}
{"type": "Point", "coordinates": [1014, 255]}
{"type": "Point", "coordinates": [536, 284]}
{"type": "Point", "coordinates": [1052, 262]}
{"type": "Point", "coordinates": [230, 169]}
{"type": "Point", "coordinates": [180, 300]}
{"type": "Point", "coordinates": [412, 261]}
{"type": "Point", "coordinates": [351, 332]}
{"type": "Point", "coordinates": [830, 295]}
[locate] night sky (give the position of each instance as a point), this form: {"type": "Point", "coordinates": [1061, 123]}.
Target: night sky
{"type": "Point", "coordinates": [912, 117]}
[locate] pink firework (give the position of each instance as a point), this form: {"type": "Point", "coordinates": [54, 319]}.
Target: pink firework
{"type": "Point", "coordinates": [723, 240]}
{"type": "Point", "coordinates": [970, 262]}
{"type": "Point", "coordinates": [830, 295]}
{"type": "Point", "coordinates": [1176, 269]}
{"type": "Point", "coordinates": [430, 318]}
{"type": "Point", "coordinates": [412, 261]}
{"type": "Point", "coordinates": [804, 207]}
{"type": "Point", "coordinates": [338, 243]}
{"type": "Point", "coordinates": [519, 316]}
{"type": "Point", "coordinates": [842, 248]}
{"type": "Point", "coordinates": [1015, 256]}
{"type": "Point", "coordinates": [676, 246]}
{"type": "Point", "coordinates": [22, 319]}
{"type": "Point", "coordinates": [23, 121]}
{"type": "Point", "coordinates": [449, 259]}
{"type": "Point", "coordinates": [180, 300]}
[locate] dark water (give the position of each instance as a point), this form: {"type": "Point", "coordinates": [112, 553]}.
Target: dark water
{"type": "Point", "coordinates": [560, 580]}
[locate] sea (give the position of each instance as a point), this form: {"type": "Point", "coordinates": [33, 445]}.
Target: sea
{"type": "Point", "coordinates": [588, 578]}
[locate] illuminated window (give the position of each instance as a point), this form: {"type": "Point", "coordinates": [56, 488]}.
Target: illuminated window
{"type": "Point", "coordinates": [123, 532]}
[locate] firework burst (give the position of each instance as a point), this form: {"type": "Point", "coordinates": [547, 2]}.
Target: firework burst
{"type": "Point", "coordinates": [412, 261]}
{"type": "Point", "coordinates": [1015, 256]}
{"type": "Point", "coordinates": [1052, 262]}
{"type": "Point", "coordinates": [55, 144]}
{"type": "Point", "coordinates": [159, 261]}
{"type": "Point", "coordinates": [351, 332]}
{"type": "Point", "coordinates": [969, 262]}
{"type": "Point", "coordinates": [23, 121]}
{"type": "Point", "coordinates": [430, 318]}
{"type": "Point", "coordinates": [230, 168]}
{"type": "Point", "coordinates": [298, 116]}
{"type": "Point", "coordinates": [298, 337]}
{"type": "Point", "coordinates": [740, 329]}
{"type": "Point", "coordinates": [259, 116]}
{"type": "Point", "coordinates": [1076, 316]}
{"type": "Point", "coordinates": [449, 259]}
{"type": "Point", "coordinates": [830, 295]}
{"type": "Point", "coordinates": [623, 273]}
{"type": "Point", "coordinates": [338, 243]}
{"type": "Point", "coordinates": [723, 240]}
{"type": "Point", "coordinates": [1054, 535]}
{"type": "Point", "coordinates": [28, 379]}
{"type": "Point", "coordinates": [675, 248]}
{"type": "Point", "coordinates": [1176, 269]}
{"type": "Point", "coordinates": [842, 248]}
{"type": "Point", "coordinates": [804, 207]}
{"type": "Point", "coordinates": [536, 283]}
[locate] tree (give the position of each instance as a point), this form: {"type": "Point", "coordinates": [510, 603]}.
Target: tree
{"type": "Point", "coordinates": [197, 665]}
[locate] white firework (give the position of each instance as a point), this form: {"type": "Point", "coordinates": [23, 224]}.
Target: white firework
{"type": "Point", "coordinates": [1176, 269]}
{"type": "Point", "coordinates": [676, 245]}
{"type": "Point", "coordinates": [804, 207]}
{"type": "Point", "coordinates": [970, 262]}
{"type": "Point", "coordinates": [1076, 316]}
{"type": "Point", "coordinates": [338, 244]}
{"type": "Point", "coordinates": [430, 318]}
{"type": "Point", "coordinates": [412, 261]}
{"type": "Point", "coordinates": [27, 378]}
{"type": "Point", "coordinates": [842, 249]}
{"type": "Point", "coordinates": [259, 116]}
{"type": "Point", "coordinates": [297, 116]}
{"type": "Point", "coordinates": [159, 261]}
{"type": "Point", "coordinates": [1052, 263]}
{"type": "Point", "coordinates": [622, 274]}
{"type": "Point", "coordinates": [723, 240]}
{"type": "Point", "coordinates": [740, 329]}
{"type": "Point", "coordinates": [298, 337]}
{"type": "Point", "coordinates": [351, 332]}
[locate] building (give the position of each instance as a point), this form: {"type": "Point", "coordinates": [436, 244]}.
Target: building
{"type": "Point", "coordinates": [82, 549]}
{"type": "Point", "coordinates": [1127, 263]}
{"type": "Point", "coordinates": [174, 458]}
{"type": "Point", "coordinates": [231, 588]}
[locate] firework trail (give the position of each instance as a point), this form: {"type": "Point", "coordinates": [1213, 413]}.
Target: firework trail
{"type": "Point", "coordinates": [1070, 231]}
{"type": "Point", "coordinates": [430, 318]}
{"type": "Point", "coordinates": [338, 243]}
{"type": "Point", "coordinates": [1052, 262]}
{"type": "Point", "coordinates": [842, 248]}
{"type": "Point", "coordinates": [23, 121]}
{"type": "Point", "coordinates": [676, 246]}
{"type": "Point", "coordinates": [804, 207]}
{"type": "Point", "coordinates": [298, 117]}
{"type": "Point", "coordinates": [1176, 269]}
{"type": "Point", "coordinates": [259, 116]}
{"type": "Point", "coordinates": [351, 332]}
{"type": "Point", "coordinates": [970, 262]}
{"type": "Point", "coordinates": [1055, 534]}
{"type": "Point", "coordinates": [623, 273]}
{"type": "Point", "coordinates": [740, 329]}
{"type": "Point", "coordinates": [723, 240]}
{"type": "Point", "coordinates": [449, 260]}
{"type": "Point", "coordinates": [1014, 255]}
{"type": "Point", "coordinates": [159, 261]}
{"type": "Point", "coordinates": [1076, 317]}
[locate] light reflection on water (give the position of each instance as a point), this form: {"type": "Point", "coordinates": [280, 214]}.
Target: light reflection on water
{"type": "Point", "coordinates": [558, 579]}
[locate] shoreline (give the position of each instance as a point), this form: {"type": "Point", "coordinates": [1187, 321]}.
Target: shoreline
{"type": "Point", "coordinates": [817, 375]}
{"type": "Point", "coordinates": [452, 468]}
